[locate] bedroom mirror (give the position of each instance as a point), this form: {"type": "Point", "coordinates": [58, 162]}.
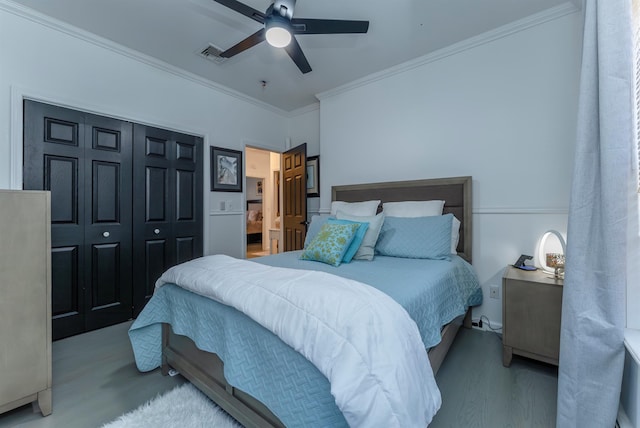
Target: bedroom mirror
{"type": "Point", "coordinates": [262, 195]}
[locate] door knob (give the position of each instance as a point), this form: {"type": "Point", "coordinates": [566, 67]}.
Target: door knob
{"type": "Point", "coordinates": [106, 234]}
{"type": "Point", "coordinates": [156, 231]}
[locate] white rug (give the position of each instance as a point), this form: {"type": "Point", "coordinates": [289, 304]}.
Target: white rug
{"type": "Point", "coordinates": [182, 407]}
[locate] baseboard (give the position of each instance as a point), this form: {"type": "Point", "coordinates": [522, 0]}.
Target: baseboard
{"type": "Point", "coordinates": [487, 325]}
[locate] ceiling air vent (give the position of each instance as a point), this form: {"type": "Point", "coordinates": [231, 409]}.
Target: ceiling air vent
{"type": "Point", "coordinates": [212, 53]}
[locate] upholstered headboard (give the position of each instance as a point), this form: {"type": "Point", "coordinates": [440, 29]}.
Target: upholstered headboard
{"type": "Point", "coordinates": [455, 191]}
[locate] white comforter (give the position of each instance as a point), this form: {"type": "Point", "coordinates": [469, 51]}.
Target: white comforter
{"type": "Point", "coordinates": [358, 337]}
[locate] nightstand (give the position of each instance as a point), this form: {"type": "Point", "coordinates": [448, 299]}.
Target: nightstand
{"type": "Point", "coordinates": [531, 311]}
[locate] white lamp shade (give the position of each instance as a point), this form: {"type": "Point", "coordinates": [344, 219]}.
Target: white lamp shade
{"type": "Point", "coordinates": [543, 248]}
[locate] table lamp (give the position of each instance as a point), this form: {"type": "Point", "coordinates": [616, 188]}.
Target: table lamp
{"type": "Point", "coordinates": [552, 261]}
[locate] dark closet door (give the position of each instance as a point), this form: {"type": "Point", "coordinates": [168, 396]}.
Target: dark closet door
{"type": "Point", "coordinates": [86, 163]}
{"type": "Point", "coordinates": [167, 192]}
{"type": "Point", "coordinates": [108, 164]}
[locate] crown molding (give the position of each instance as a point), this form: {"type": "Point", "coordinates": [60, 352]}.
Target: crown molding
{"type": "Point", "coordinates": [304, 110]}
{"type": "Point", "coordinates": [63, 27]}
{"type": "Point", "coordinates": [488, 37]}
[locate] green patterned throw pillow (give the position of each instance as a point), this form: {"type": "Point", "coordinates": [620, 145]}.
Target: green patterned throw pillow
{"type": "Point", "coordinates": [330, 244]}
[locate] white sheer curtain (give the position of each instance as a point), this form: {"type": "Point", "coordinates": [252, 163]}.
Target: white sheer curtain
{"type": "Point", "coordinates": [593, 311]}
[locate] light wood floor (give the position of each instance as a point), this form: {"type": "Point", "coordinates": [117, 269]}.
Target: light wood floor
{"type": "Point", "coordinates": [478, 392]}
{"type": "Point", "coordinates": [255, 250]}
{"type": "Point", "coordinates": [95, 381]}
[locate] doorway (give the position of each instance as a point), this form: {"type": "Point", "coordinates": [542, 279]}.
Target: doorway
{"type": "Point", "coordinates": [262, 179]}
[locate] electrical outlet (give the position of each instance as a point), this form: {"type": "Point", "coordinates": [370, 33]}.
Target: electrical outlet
{"type": "Point", "coordinates": [494, 292]}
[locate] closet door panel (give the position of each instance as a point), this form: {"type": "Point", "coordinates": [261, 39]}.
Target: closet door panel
{"type": "Point", "coordinates": [156, 259]}
{"type": "Point", "coordinates": [65, 274]}
{"type": "Point", "coordinates": [185, 249]}
{"type": "Point", "coordinates": [185, 195]}
{"type": "Point", "coordinates": [108, 241]}
{"type": "Point", "coordinates": [86, 163]}
{"type": "Point", "coordinates": [105, 276]}
{"type": "Point", "coordinates": [156, 192]}
{"type": "Point", "coordinates": [106, 192]}
{"type": "Point", "coordinates": [153, 211]}
{"type": "Point", "coordinates": [187, 224]}
{"type": "Point", "coordinates": [53, 160]}
{"type": "Point", "coordinates": [167, 204]}
{"type": "Point", "coordinates": [61, 178]}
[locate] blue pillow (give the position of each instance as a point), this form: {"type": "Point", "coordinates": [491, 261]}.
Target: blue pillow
{"type": "Point", "coordinates": [416, 237]}
{"type": "Point", "coordinates": [330, 243]}
{"type": "Point", "coordinates": [317, 221]}
{"type": "Point", "coordinates": [357, 239]}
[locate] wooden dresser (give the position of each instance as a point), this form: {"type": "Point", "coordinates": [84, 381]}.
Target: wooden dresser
{"type": "Point", "coordinates": [25, 300]}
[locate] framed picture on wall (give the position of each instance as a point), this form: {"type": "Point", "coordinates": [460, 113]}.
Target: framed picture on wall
{"type": "Point", "coordinates": [226, 170]}
{"type": "Point", "coordinates": [313, 176]}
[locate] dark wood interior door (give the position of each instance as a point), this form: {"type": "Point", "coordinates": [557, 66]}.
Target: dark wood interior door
{"type": "Point", "coordinates": [86, 163]}
{"type": "Point", "coordinates": [294, 187]}
{"type": "Point", "coordinates": [168, 220]}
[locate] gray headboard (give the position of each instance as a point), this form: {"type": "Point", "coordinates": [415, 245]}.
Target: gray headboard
{"type": "Point", "coordinates": [455, 191]}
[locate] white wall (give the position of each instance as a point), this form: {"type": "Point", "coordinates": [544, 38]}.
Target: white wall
{"type": "Point", "coordinates": [503, 112]}
{"type": "Point", "coordinates": [304, 127]}
{"type": "Point", "coordinates": [46, 60]}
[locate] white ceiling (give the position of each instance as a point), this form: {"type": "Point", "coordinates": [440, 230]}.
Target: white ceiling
{"type": "Point", "coordinates": [175, 31]}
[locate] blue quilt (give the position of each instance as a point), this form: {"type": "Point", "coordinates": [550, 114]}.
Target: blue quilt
{"type": "Point", "coordinates": [257, 362]}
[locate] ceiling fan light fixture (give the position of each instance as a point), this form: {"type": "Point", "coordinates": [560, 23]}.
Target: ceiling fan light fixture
{"type": "Point", "coordinates": [278, 34]}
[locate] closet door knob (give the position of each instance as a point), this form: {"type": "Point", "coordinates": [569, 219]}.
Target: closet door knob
{"type": "Point", "coordinates": [105, 234]}
{"type": "Point", "coordinates": [156, 231]}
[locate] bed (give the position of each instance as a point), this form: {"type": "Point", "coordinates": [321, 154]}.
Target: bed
{"type": "Point", "coordinates": [254, 221]}
{"type": "Point", "coordinates": [289, 382]}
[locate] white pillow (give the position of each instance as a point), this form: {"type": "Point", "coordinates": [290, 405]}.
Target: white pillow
{"type": "Point", "coordinates": [364, 209]}
{"type": "Point", "coordinates": [413, 208]}
{"type": "Point", "coordinates": [317, 221]}
{"type": "Point", "coordinates": [455, 235]}
{"type": "Point", "coordinates": [367, 247]}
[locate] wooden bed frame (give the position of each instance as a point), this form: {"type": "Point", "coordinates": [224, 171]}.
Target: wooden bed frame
{"type": "Point", "coordinates": [205, 370]}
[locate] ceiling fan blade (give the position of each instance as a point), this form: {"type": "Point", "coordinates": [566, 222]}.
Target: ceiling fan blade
{"type": "Point", "coordinates": [247, 43]}
{"type": "Point", "coordinates": [295, 52]}
{"type": "Point", "coordinates": [243, 9]}
{"type": "Point", "coordinates": [328, 26]}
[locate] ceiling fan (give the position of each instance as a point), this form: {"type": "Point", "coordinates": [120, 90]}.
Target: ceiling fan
{"type": "Point", "coordinates": [280, 27]}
